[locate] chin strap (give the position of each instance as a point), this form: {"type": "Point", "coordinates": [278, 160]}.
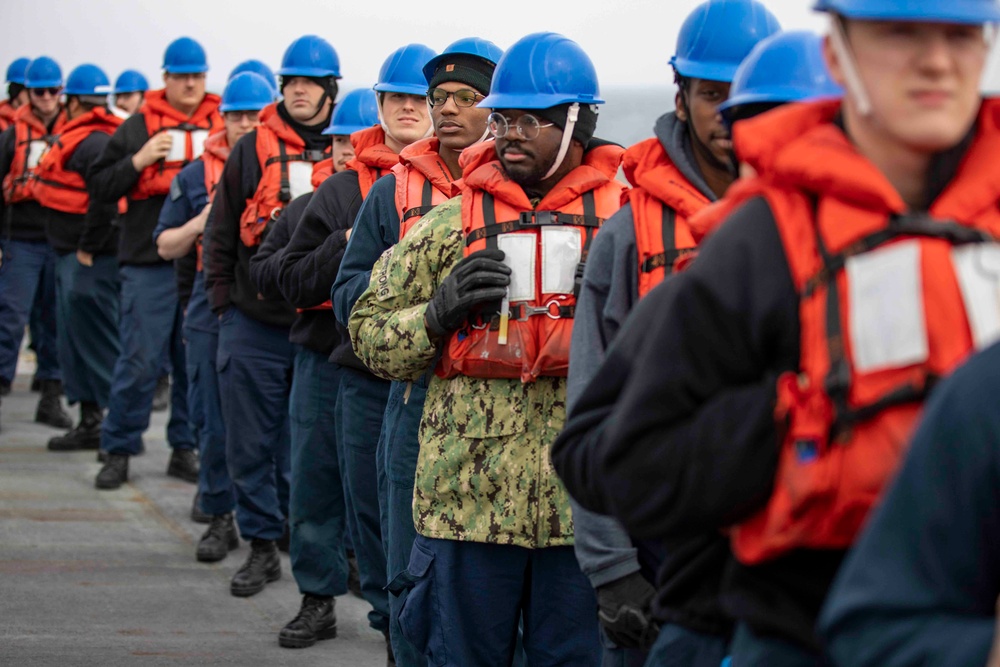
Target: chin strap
{"type": "Point", "coordinates": [838, 38]}
{"type": "Point", "coordinates": [572, 114]}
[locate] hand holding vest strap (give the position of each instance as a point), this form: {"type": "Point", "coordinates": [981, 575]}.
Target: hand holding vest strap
{"type": "Point", "coordinates": [476, 279]}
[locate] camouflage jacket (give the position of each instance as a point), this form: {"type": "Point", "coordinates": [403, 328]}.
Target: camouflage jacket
{"type": "Point", "coordinates": [484, 473]}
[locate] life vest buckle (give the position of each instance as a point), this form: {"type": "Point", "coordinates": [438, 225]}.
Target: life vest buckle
{"type": "Point", "coordinates": [538, 218]}
{"type": "Point", "coordinates": [313, 155]}
{"type": "Point", "coordinates": [550, 310]}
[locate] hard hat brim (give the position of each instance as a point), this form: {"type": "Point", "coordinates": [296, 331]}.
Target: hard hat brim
{"type": "Point", "coordinates": [344, 129]}
{"type": "Point", "coordinates": [186, 69]}
{"type": "Point", "coordinates": [404, 88]}
{"type": "Point", "coordinates": [724, 72]}
{"type": "Point", "coordinates": [534, 100]}
{"type": "Point", "coordinates": [311, 72]}
{"type": "Point", "coordinates": [954, 11]}
{"type": "Point", "coordinates": [45, 83]}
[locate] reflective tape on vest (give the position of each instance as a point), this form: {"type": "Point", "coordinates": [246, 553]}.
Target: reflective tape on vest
{"type": "Point", "coordinates": [978, 270]}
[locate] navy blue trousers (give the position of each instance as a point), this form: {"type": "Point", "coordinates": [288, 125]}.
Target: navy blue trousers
{"type": "Point", "coordinates": [362, 406]}
{"type": "Point", "coordinates": [403, 412]}
{"type": "Point", "coordinates": [317, 511]}
{"type": "Point", "coordinates": [150, 327]}
{"type": "Point", "coordinates": [87, 317]}
{"type": "Point", "coordinates": [217, 493]}
{"type": "Point", "coordinates": [255, 363]}
{"type": "Point", "coordinates": [28, 272]}
{"type": "Point", "coordinates": [467, 599]}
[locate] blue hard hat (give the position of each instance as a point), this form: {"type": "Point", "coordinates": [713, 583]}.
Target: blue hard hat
{"type": "Point", "coordinates": [718, 35]}
{"type": "Point", "coordinates": [43, 72]}
{"type": "Point", "coordinates": [184, 56]}
{"type": "Point", "coordinates": [15, 72]}
{"type": "Point", "coordinates": [543, 70]}
{"type": "Point", "coordinates": [131, 81]}
{"type": "Point", "coordinates": [358, 110]}
{"type": "Point", "coordinates": [246, 91]}
{"type": "Point", "coordinates": [952, 11]}
{"type": "Point", "coordinates": [403, 70]}
{"type": "Point", "coordinates": [310, 56]}
{"type": "Point", "coordinates": [87, 79]}
{"type": "Point", "coordinates": [258, 68]}
{"type": "Point", "coordinates": [473, 46]}
{"type": "Point", "coordinates": [786, 67]}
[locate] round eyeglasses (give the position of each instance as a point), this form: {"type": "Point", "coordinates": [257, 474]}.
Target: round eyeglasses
{"type": "Point", "coordinates": [527, 125]}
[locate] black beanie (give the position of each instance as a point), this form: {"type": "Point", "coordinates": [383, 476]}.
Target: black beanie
{"type": "Point", "coordinates": [586, 122]}
{"type": "Point", "coordinates": [464, 68]}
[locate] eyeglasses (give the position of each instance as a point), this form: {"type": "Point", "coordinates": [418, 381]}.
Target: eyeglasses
{"type": "Point", "coordinates": [42, 92]}
{"type": "Point", "coordinates": [463, 98]}
{"type": "Point", "coordinates": [527, 126]}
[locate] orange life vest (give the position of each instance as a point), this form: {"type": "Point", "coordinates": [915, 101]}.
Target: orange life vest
{"type": "Point", "coordinates": [189, 133]}
{"type": "Point", "coordinates": [56, 187]}
{"type": "Point", "coordinates": [663, 201]}
{"type": "Point", "coordinates": [214, 158]}
{"type": "Point", "coordinates": [372, 158]}
{"type": "Point", "coordinates": [31, 141]}
{"type": "Point", "coordinates": [7, 112]}
{"type": "Point", "coordinates": [889, 303]}
{"type": "Point", "coordinates": [547, 245]}
{"type": "Point", "coordinates": [423, 181]}
{"type": "Point", "coordinates": [282, 156]}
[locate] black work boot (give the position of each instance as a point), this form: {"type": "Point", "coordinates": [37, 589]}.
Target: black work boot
{"type": "Point", "coordinates": [218, 540]}
{"type": "Point", "coordinates": [314, 622]}
{"type": "Point", "coordinates": [197, 514]}
{"type": "Point", "coordinates": [50, 410]}
{"type": "Point", "coordinates": [161, 399]}
{"type": "Point", "coordinates": [86, 435]}
{"type": "Point", "coordinates": [114, 473]}
{"type": "Point", "coordinates": [4, 388]}
{"type": "Point", "coordinates": [261, 567]}
{"type": "Point", "coordinates": [36, 384]}
{"type": "Point", "coordinates": [184, 465]}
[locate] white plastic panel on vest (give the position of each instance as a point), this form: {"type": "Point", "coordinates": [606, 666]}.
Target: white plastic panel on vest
{"type": "Point", "coordinates": [978, 269]}
{"type": "Point", "coordinates": [519, 255]}
{"type": "Point", "coordinates": [300, 178]}
{"type": "Point", "coordinates": [561, 252]}
{"type": "Point", "coordinates": [178, 146]}
{"type": "Point", "coordinates": [198, 139]}
{"type": "Point", "coordinates": [887, 308]}
{"type": "Point", "coordinates": [36, 149]}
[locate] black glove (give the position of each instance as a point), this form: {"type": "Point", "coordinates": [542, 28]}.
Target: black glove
{"type": "Point", "coordinates": [476, 279]}
{"type": "Point", "coordinates": [623, 610]}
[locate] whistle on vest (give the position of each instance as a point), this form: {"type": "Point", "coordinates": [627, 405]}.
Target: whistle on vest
{"type": "Point", "coordinates": [504, 318]}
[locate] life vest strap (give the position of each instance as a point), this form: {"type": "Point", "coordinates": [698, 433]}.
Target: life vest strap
{"type": "Point", "coordinates": [426, 202]}
{"type": "Point", "coordinates": [908, 225]}
{"type": "Point", "coordinates": [522, 311]}
{"type": "Point", "coordinates": [529, 220]}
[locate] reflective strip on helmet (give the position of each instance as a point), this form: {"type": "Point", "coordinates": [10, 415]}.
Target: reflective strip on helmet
{"type": "Point", "coordinates": [978, 270]}
{"type": "Point", "coordinates": [887, 307]}
{"type": "Point", "coordinates": [300, 178]}
{"type": "Point", "coordinates": [36, 149]}
{"type": "Point", "coordinates": [561, 253]}
{"type": "Point", "coordinates": [519, 255]}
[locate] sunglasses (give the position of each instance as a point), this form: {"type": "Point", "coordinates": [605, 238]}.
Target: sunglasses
{"type": "Point", "coordinates": [42, 92]}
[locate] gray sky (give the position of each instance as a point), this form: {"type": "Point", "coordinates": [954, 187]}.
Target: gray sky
{"type": "Point", "coordinates": [630, 41]}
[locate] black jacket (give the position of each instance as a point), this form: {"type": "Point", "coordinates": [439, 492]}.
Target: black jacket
{"type": "Point", "coordinates": [113, 177]}
{"type": "Point", "coordinates": [227, 259]}
{"type": "Point", "coordinates": [312, 257]}
{"type": "Point", "coordinates": [316, 330]}
{"type": "Point", "coordinates": [66, 231]}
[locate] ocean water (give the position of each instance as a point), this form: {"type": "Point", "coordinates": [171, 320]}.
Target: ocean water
{"type": "Point", "coordinates": [629, 113]}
